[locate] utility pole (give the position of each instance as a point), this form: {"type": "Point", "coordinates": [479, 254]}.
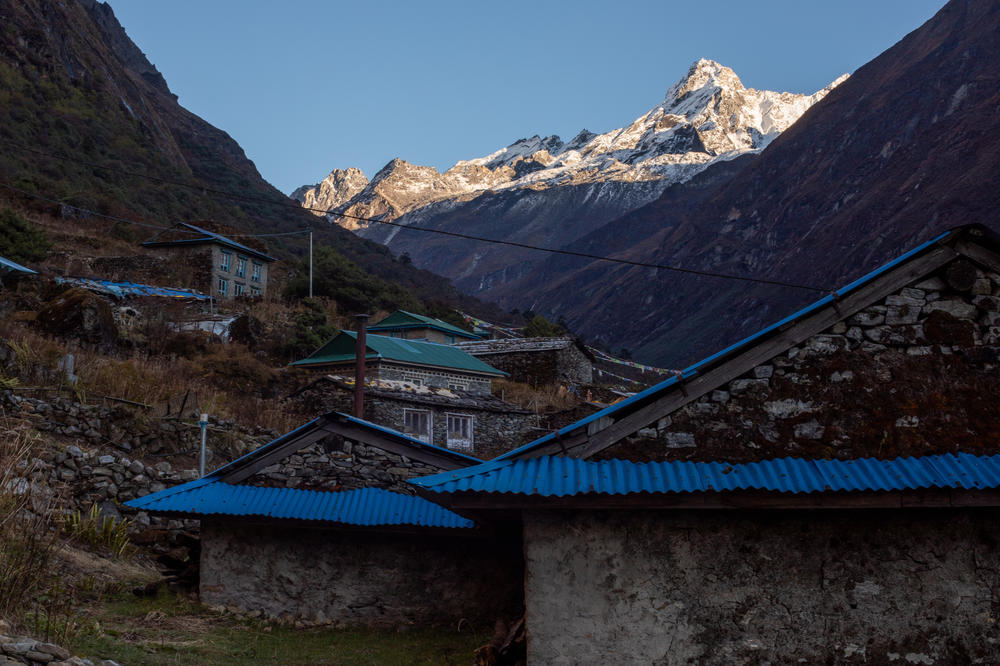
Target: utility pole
{"type": "Point", "coordinates": [310, 263]}
{"type": "Point", "coordinates": [204, 434]}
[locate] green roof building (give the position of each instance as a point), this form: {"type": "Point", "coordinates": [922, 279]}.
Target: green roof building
{"type": "Point", "coordinates": [410, 326]}
{"type": "Point", "coordinates": [416, 361]}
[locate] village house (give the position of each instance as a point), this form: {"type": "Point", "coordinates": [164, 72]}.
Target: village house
{"type": "Point", "coordinates": [827, 489]}
{"type": "Point", "coordinates": [414, 361]}
{"type": "Point", "coordinates": [409, 326]}
{"type": "Point", "coordinates": [320, 525]}
{"type": "Point", "coordinates": [476, 423]}
{"type": "Point", "coordinates": [536, 361]}
{"type": "Point", "coordinates": [219, 266]}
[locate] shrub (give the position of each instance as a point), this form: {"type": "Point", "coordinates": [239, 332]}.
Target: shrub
{"type": "Point", "coordinates": [20, 239]}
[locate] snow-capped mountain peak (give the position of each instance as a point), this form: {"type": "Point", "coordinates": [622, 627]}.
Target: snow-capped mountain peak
{"type": "Point", "coordinates": [705, 116]}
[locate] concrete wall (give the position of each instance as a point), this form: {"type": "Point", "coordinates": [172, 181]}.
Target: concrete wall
{"type": "Point", "coordinates": [914, 374]}
{"type": "Point", "coordinates": [360, 577]}
{"type": "Point", "coordinates": [874, 587]}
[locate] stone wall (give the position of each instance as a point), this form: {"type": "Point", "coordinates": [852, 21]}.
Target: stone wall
{"type": "Point", "coordinates": [472, 383]}
{"type": "Point", "coordinates": [863, 586]}
{"type": "Point", "coordinates": [108, 455]}
{"type": "Point", "coordinates": [343, 465]}
{"type": "Point", "coordinates": [360, 576]}
{"type": "Point", "coordinates": [914, 374]}
{"type": "Point", "coordinates": [543, 367]}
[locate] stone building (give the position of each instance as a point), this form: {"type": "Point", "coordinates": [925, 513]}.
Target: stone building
{"type": "Point", "coordinates": [409, 326]}
{"type": "Point", "coordinates": [480, 424]}
{"type": "Point", "coordinates": [319, 525]}
{"type": "Point", "coordinates": [414, 361]}
{"type": "Point", "coordinates": [536, 361]}
{"type": "Point", "coordinates": [219, 266]}
{"type": "Point", "coordinates": [693, 534]}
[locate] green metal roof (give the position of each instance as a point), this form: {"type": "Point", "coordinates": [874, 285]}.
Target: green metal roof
{"type": "Point", "coordinates": [401, 319]}
{"type": "Point", "coordinates": [340, 349]}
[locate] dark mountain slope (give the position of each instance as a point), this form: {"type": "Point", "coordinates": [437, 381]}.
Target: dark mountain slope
{"type": "Point", "coordinates": [73, 85]}
{"type": "Point", "coordinates": [905, 148]}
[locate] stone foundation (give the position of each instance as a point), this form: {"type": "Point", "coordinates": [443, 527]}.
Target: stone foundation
{"type": "Point", "coordinates": [824, 587]}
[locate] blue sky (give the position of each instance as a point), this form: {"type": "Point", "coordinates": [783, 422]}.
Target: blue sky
{"type": "Point", "coordinates": [306, 86]}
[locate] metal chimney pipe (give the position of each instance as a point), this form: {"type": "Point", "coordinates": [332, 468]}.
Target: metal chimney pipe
{"type": "Point", "coordinates": [359, 366]}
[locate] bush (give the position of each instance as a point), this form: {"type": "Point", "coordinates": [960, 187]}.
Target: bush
{"type": "Point", "coordinates": [345, 282]}
{"type": "Point", "coordinates": [540, 327]}
{"type": "Point", "coordinates": [20, 239]}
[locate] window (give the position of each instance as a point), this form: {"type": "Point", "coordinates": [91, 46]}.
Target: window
{"type": "Point", "coordinates": [254, 291]}
{"type": "Point", "coordinates": [226, 257]}
{"type": "Point", "coordinates": [458, 386]}
{"type": "Point", "coordinates": [241, 266]}
{"type": "Point", "coordinates": [223, 286]}
{"type": "Point", "coordinates": [417, 424]}
{"type": "Point", "coordinates": [255, 275]}
{"type": "Point", "coordinates": [459, 431]}
{"type": "Point", "coordinates": [238, 289]}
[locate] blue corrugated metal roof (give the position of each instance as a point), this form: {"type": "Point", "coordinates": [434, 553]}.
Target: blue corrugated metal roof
{"type": "Point", "coordinates": [693, 370]}
{"type": "Point", "coordinates": [558, 476]}
{"type": "Point", "coordinates": [8, 265]}
{"type": "Point", "coordinates": [367, 507]}
{"type": "Point", "coordinates": [122, 289]}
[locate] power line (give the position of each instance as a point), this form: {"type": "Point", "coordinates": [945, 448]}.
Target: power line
{"type": "Point", "coordinates": [453, 234]}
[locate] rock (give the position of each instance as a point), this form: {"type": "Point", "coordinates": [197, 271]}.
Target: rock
{"type": "Point", "coordinates": [989, 304]}
{"type": "Point", "coordinates": [720, 396]}
{"type": "Point", "coordinates": [763, 371]}
{"type": "Point", "coordinates": [909, 421]}
{"type": "Point", "coordinates": [39, 657]}
{"type": "Point", "coordinates": [106, 460]}
{"type": "Point", "coordinates": [931, 284]}
{"type": "Point", "coordinates": [738, 386]}
{"type": "Point", "coordinates": [956, 308]}
{"type": "Point", "coordinates": [844, 376]}
{"type": "Point", "coordinates": [809, 430]}
{"type": "Point", "coordinates": [902, 314]}
{"type": "Point", "coordinates": [19, 647]}
{"type": "Point", "coordinates": [679, 440]}
{"type": "Point", "coordinates": [74, 451]}
{"type": "Point", "coordinates": [136, 467]}
{"type": "Point", "coordinates": [787, 408]}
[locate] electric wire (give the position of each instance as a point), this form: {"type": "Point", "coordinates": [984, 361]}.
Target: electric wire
{"type": "Point", "coordinates": [442, 232]}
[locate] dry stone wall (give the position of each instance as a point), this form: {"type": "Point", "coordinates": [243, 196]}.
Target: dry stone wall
{"type": "Point", "coordinates": [108, 455]}
{"type": "Point", "coordinates": [913, 374]}
{"type": "Point", "coordinates": [343, 465]}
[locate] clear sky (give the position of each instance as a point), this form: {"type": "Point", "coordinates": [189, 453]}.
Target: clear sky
{"type": "Point", "coordinates": [306, 86]}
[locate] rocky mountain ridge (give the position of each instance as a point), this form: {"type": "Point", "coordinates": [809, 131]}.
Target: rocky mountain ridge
{"type": "Point", "coordinates": [903, 150]}
{"type": "Point", "coordinates": [705, 116]}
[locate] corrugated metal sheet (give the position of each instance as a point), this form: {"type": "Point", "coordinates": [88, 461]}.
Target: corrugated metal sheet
{"type": "Point", "coordinates": [122, 289]}
{"type": "Point", "coordinates": [557, 476]}
{"type": "Point", "coordinates": [367, 507]}
{"type": "Point", "coordinates": [401, 319]}
{"type": "Point", "coordinates": [691, 371]}
{"type": "Point", "coordinates": [340, 349]}
{"type": "Point", "coordinates": [208, 237]}
{"type": "Point", "coordinates": [8, 265]}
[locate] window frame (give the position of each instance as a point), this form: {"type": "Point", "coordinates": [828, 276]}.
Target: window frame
{"type": "Point", "coordinates": [256, 270]}
{"type": "Point", "coordinates": [238, 288]}
{"type": "Point", "coordinates": [430, 424]}
{"type": "Point", "coordinates": [241, 266]}
{"type": "Point", "coordinates": [460, 443]}
{"type": "Point", "coordinates": [227, 258]}
{"type": "Point", "coordinates": [223, 286]}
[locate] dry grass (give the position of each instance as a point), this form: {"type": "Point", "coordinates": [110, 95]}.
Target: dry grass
{"type": "Point", "coordinates": [550, 398]}
{"type": "Point", "coordinates": [227, 381]}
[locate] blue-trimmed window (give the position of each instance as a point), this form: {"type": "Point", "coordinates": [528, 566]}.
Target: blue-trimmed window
{"type": "Point", "coordinates": [223, 287]}
{"type": "Point", "coordinates": [226, 259]}
{"type": "Point", "coordinates": [255, 275]}
{"type": "Point", "coordinates": [238, 289]}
